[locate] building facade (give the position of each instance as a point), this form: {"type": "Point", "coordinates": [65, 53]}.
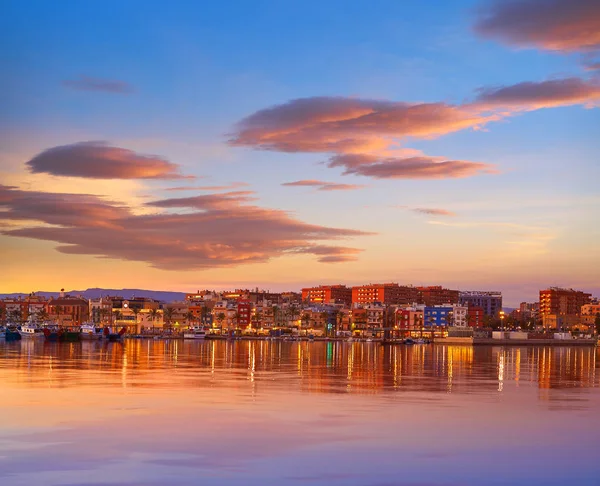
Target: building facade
{"type": "Point", "coordinates": [387, 293]}
{"type": "Point", "coordinates": [437, 315]}
{"type": "Point", "coordinates": [489, 301]}
{"type": "Point", "coordinates": [566, 302]}
{"type": "Point", "coordinates": [327, 294]}
{"type": "Point", "coordinates": [437, 295]}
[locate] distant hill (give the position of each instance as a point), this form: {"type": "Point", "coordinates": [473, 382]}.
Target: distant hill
{"type": "Point", "coordinates": [162, 295]}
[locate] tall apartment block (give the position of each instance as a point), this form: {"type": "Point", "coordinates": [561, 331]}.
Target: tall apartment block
{"type": "Point", "coordinates": [557, 301]}
{"type": "Point", "coordinates": [489, 301]}
{"type": "Point", "coordinates": [328, 294]}
{"type": "Point", "coordinates": [386, 293]}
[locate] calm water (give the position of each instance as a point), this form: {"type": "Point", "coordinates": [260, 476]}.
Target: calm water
{"type": "Point", "coordinates": [239, 413]}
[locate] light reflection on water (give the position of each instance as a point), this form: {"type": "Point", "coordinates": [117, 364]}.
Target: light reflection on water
{"type": "Point", "coordinates": [269, 412]}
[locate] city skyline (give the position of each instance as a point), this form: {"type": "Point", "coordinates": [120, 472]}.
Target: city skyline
{"type": "Point", "coordinates": [285, 146]}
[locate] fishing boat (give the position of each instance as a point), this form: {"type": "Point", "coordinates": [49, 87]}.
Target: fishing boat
{"type": "Point", "coordinates": [11, 333]}
{"type": "Point", "coordinates": [195, 333]}
{"type": "Point", "coordinates": [89, 332]}
{"type": "Point", "coordinates": [54, 333]}
{"type": "Point", "coordinates": [114, 336]}
{"type": "Point", "coordinates": [31, 331]}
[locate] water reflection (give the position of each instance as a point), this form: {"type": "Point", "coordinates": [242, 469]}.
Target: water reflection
{"type": "Point", "coordinates": [334, 367]}
{"type": "Point", "coordinates": [155, 413]}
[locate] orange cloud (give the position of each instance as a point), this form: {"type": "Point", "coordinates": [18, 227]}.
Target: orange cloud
{"type": "Point", "coordinates": [221, 230]}
{"type": "Point", "coordinates": [97, 160]}
{"type": "Point", "coordinates": [554, 25]}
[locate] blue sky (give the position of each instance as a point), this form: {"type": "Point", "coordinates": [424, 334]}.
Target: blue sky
{"type": "Point", "coordinates": [196, 69]}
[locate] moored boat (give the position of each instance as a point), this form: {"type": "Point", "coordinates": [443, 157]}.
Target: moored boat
{"type": "Point", "coordinates": [12, 334]}
{"type": "Point", "coordinates": [54, 333]}
{"type": "Point", "coordinates": [89, 332]}
{"type": "Point", "coordinates": [31, 331]}
{"type": "Point", "coordinates": [114, 336]}
{"type": "Point", "coordinates": [195, 333]}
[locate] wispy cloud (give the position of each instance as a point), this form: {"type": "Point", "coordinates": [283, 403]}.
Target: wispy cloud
{"type": "Point", "coordinates": [423, 167]}
{"type": "Point", "coordinates": [544, 94]}
{"type": "Point", "coordinates": [554, 25]}
{"type": "Point", "coordinates": [433, 211]}
{"type": "Point", "coordinates": [324, 186]}
{"type": "Point", "coordinates": [98, 160]}
{"type": "Point", "coordinates": [88, 83]}
{"type": "Point", "coordinates": [233, 185]}
{"type": "Point", "coordinates": [214, 230]}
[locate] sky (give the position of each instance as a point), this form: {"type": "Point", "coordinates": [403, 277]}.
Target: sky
{"type": "Point", "coordinates": [190, 145]}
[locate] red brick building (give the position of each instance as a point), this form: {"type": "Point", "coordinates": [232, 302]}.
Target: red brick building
{"type": "Point", "coordinates": [475, 316]}
{"type": "Point", "coordinates": [244, 313]}
{"type": "Point", "coordinates": [409, 318]}
{"type": "Point", "coordinates": [437, 295]}
{"type": "Point", "coordinates": [328, 294]}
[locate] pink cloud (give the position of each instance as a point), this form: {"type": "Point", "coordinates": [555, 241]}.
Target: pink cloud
{"type": "Point", "coordinates": [343, 125]}
{"type": "Point", "coordinates": [97, 160]}
{"type": "Point", "coordinates": [221, 230]}
{"type": "Point", "coordinates": [554, 25]}
{"type": "Point", "coordinates": [544, 94]}
{"type": "Point", "coordinates": [87, 83]}
{"type": "Point", "coordinates": [422, 167]}
{"type": "Point", "coordinates": [324, 186]}
{"type": "Point", "coordinates": [363, 134]}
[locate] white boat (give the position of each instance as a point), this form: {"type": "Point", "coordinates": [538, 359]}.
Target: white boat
{"type": "Point", "coordinates": [89, 332]}
{"type": "Point", "coordinates": [31, 331]}
{"type": "Point", "coordinates": [194, 333]}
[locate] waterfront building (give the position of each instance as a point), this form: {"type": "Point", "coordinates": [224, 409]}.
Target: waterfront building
{"type": "Point", "coordinates": [20, 308]}
{"type": "Point", "coordinates": [386, 293]}
{"type": "Point", "coordinates": [327, 294]}
{"type": "Point", "coordinates": [244, 313]}
{"type": "Point", "coordinates": [68, 310]}
{"type": "Point", "coordinates": [489, 301]}
{"type": "Point", "coordinates": [437, 295]}
{"type": "Point", "coordinates": [562, 301]}
{"type": "Point", "coordinates": [475, 316]}
{"type": "Point", "coordinates": [437, 315]}
{"type": "Point", "coordinates": [409, 318]}
{"type": "Point", "coordinates": [459, 316]}
{"type": "Point", "coordinates": [100, 310]}
{"type": "Point", "coordinates": [589, 314]}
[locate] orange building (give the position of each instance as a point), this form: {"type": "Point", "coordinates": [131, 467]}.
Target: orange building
{"type": "Point", "coordinates": [327, 294]}
{"type": "Point", "coordinates": [387, 293]}
{"type": "Point", "coordinates": [557, 301]}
